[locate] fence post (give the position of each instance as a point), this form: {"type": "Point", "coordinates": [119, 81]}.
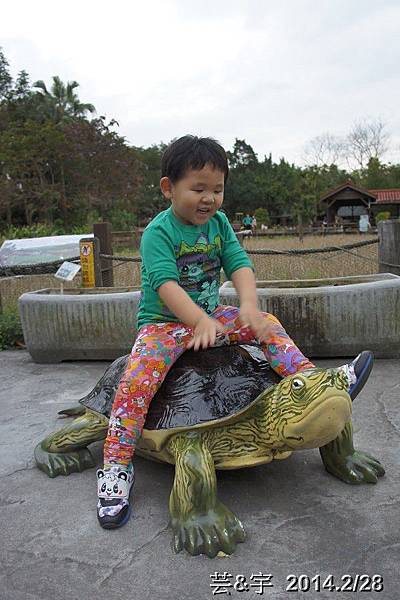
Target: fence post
{"type": "Point", "coordinates": [103, 232]}
{"type": "Point", "coordinates": [389, 246]}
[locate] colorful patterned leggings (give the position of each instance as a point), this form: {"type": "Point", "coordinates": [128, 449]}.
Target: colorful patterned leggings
{"type": "Point", "coordinates": [156, 348]}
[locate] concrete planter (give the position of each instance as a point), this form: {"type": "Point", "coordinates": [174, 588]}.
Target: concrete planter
{"type": "Point", "coordinates": [79, 324]}
{"type": "Point", "coordinates": [326, 317]}
{"type": "Point", "coordinates": [334, 317]}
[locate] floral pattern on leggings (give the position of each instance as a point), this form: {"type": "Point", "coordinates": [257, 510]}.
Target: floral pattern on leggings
{"type": "Point", "coordinates": [156, 348]}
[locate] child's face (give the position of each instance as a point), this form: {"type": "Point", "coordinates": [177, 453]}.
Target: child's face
{"type": "Point", "coordinates": [197, 196]}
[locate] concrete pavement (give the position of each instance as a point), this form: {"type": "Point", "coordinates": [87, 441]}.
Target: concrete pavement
{"type": "Point", "coordinates": [298, 518]}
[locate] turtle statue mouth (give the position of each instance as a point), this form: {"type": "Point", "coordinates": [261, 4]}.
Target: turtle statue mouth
{"type": "Point", "coordinates": [321, 423]}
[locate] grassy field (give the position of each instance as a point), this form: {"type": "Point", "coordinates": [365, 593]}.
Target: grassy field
{"type": "Point", "coordinates": [360, 261]}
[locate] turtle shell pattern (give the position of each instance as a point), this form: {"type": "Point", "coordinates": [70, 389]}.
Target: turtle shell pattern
{"type": "Point", "coordinates": [200, 387]}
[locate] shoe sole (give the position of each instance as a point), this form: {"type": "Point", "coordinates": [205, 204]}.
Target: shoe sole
{"type": "Point", "coordinates": [362, 378]}
{"type": "Point", "coordinates": [113, 525]}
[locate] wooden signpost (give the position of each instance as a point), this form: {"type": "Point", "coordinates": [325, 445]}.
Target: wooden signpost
{"type": "Point", "coordinates": [90, 262]}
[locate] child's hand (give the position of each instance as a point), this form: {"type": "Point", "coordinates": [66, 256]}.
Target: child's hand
{"type": "Point", "coordinates": [205, 333]}
{"type": "Point", "coordinates": [251, 317]}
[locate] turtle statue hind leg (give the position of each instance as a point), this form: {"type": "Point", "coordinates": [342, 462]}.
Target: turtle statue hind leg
{"type": "Point", "coordinates": [350, 465]}
{"type": "Point", "coordinates": [200, 522]}
{"type": "Point", "coordinates": [65, 451]}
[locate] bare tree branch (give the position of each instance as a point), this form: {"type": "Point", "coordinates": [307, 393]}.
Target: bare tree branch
{"type": "Point", "coordinates": [367, 139]}
{"type": "Point", "coordinates": [324, 149]}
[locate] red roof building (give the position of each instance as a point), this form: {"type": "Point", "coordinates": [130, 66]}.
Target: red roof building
{"type": "Point", "coordinates": [389, 196]}
{"type": "Point", "coordinates": [348, 202]}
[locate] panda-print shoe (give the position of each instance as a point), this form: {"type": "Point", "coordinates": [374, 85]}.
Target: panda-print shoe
{"type": "Point", "coordinates": [113, 489]}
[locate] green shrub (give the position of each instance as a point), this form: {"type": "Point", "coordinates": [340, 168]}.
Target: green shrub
{"type": "Point", "coordinates": [382, 216]}
{"type": "Point", "coordinates": [29, 231]}
{"type": "Point", "coordinates": [122, 220]}
{"type": "Point", "coordinates": [44, 230]}
{"type": "Point", "coordinates": [262, 216]}
{"type": "Point", "coordinates": [10, 329]}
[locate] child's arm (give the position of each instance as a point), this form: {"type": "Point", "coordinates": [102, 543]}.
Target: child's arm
{"type": "Point", "coordinates": [245, 285]}
{"type": "Point", "coordinates": [205, 329]}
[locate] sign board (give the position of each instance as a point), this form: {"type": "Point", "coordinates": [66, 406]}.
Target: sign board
{"type": "Point", "coordinates": [67, 271]}
{"type": "Point", "coordinates": [86, 249]}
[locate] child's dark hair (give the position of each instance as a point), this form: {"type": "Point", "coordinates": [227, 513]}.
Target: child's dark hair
{"type": "Point", "coordinates": [192, 152]}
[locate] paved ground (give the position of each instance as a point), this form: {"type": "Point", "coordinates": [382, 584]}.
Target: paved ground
{"type": "Point", "coordinates": [299, 519]}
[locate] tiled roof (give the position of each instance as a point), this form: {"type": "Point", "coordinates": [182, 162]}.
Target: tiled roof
{"type": "Point", "coordinates": [343, 186]}
{"type": "Point", "coordinates": [388, 195]}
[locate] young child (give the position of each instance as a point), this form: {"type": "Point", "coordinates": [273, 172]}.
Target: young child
{"type": "Point", "coordinates": [183, 249]}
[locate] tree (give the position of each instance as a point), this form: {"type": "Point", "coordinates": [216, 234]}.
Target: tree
{"type": "Point", "coordinates": [367, 139]}
{"type": "Point", "coordinates": [149, 198]}
{"type": "Point", "coordinates": [5, 77]}
{"type": "Point", "coordinates": [282, 189]}
{"type": "Point", "coordinates": [7, 198]}
{"type": "Point", "coordinates": [22, 86]}
{"type": "Point", "coordinates": [375, 175]}
{"type": "Point", "coordinates": [324, 149]}
{"type": "Point", "coordinates": [63, 172]}
{"type": "Point", "coordinates": [56, 166]}
{"type": "Point", "coordinates": [62, 102]}
{"type": "Point", "coordinates": [29, 155]}
{"type": "Point", "coordinates": [243, 155]}
{"type": "Point", "coordinates": [305, 201]}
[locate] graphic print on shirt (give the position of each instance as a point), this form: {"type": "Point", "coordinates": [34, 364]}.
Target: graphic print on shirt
{"type": "Point", "coordinates": [199, 269]}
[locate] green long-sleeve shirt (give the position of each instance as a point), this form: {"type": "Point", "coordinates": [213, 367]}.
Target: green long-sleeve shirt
{"type": "Point", "coordinates": [191, 255]}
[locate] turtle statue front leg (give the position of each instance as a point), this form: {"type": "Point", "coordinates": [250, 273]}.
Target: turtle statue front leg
{"type": "Point", "coordinates": [65, 451]}
{"type": "Point", "coordinates": [201, 523]}
{"type": "Point", "coordinates": [350, 465]}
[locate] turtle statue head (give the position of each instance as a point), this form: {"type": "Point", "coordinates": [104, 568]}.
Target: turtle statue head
{"type": "Point", "coordinates": [308, 409]}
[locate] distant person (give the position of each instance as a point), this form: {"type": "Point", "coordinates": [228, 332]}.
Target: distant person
{"type": "Point", "coordinates": [338, 224]}
{"type": "Point", "coordinates": [183, 250]}
{"type": "Point", "coordinates": [324, 225]}
{"type": "Point", "coordinates": [254, 224]}
{"type": "Point", "coordinates": [247, 221]}
{"type": "Point", "coordinates": [363, 224]}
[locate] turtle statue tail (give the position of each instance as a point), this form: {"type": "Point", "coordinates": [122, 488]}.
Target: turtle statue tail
{"type": "Point", "coordinates": [65, 451]}
{"type": "Point", "coordinates": [74, 411]}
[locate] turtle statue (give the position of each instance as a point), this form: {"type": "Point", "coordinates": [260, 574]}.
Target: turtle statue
{"type": "Point", "coordinates": [220, 408]}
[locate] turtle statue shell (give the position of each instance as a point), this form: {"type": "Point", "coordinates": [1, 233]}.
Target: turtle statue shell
{"type": "Point", "coordinates": [201, 386]}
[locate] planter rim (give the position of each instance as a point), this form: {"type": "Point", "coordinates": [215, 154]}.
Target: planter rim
{"type": "Point", "coordinates": [77, 294]}
{"type": "Point", "coordinates": [352, 281]}
{"type": "Point", "coordinates": [56, 291]}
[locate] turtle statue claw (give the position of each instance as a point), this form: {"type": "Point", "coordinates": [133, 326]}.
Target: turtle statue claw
{"type": "Point", "coordinates": [220, 408]}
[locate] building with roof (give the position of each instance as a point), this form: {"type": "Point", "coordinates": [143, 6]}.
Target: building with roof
{"type": "Point", "coordinates": [348, 202]}
{"type": "Point", "coordinates": [387, 200]}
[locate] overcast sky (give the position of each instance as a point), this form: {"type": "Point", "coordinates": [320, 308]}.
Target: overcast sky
{"type": "Point", "coordinates": [273, 73]}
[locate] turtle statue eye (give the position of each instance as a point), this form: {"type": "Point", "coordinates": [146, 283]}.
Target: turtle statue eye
{"type": "Point", "coordinates": [297, 384]}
